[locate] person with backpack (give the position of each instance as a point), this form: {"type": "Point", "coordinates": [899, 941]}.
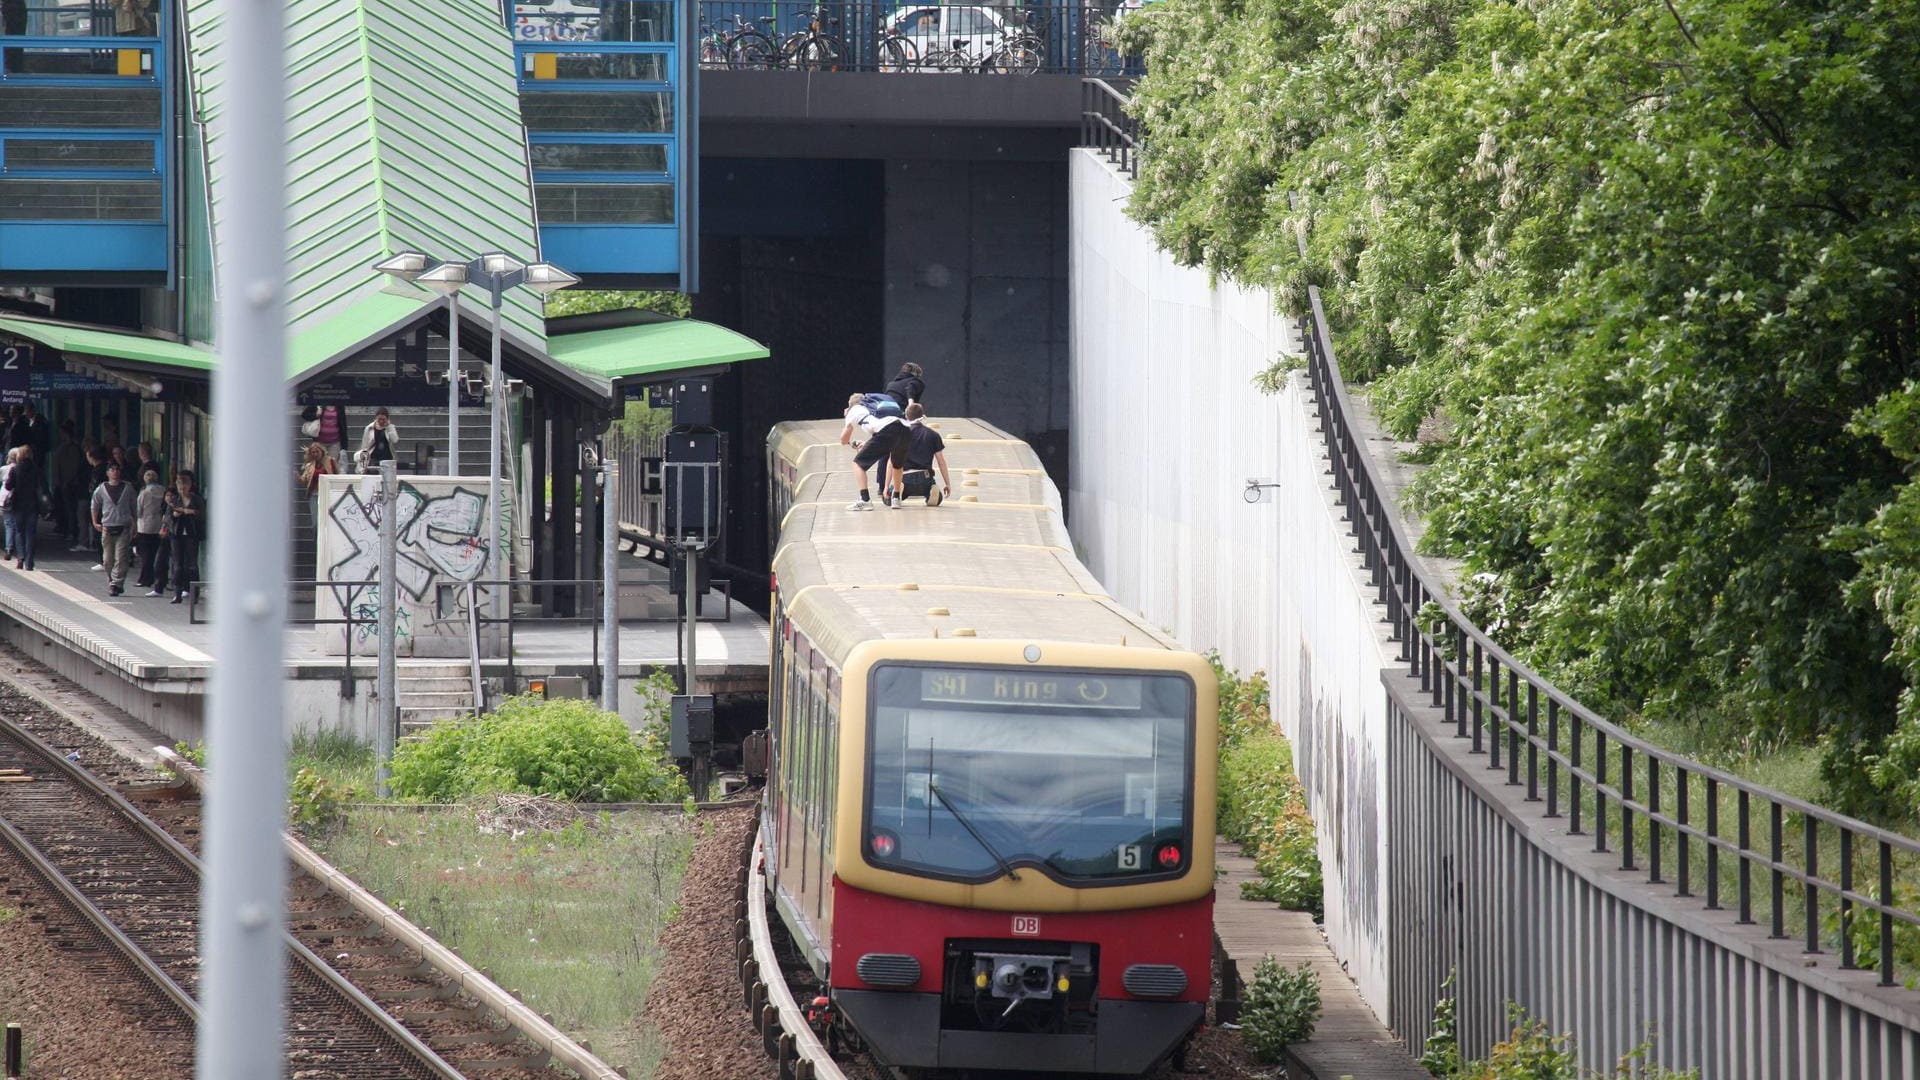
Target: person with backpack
{"type": "Point", "coordinates": [907, 387]}
{"type": "Point", "coordinates": [26, 497]}
{"type": "Point", "coordinates": [885, 424]}
{"type": "Point", "coordinates": [114, 509]}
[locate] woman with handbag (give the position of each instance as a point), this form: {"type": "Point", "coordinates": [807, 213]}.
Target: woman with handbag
{"type": "Point", "coordinates": [378, 442]}
{"type": "Point", "coordinates": [328, 426]}
{"type": "Point", "coordinates": [26, 497]}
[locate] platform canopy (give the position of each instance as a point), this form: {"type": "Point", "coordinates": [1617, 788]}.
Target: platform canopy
{"type": "Point", "coordinates": [646, 350]}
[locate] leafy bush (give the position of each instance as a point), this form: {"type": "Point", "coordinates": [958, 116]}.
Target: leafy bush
{"type": "Point", "coordinates": [565, 748]}
{"type": "Point", "coordinates": [1280, 1008]}
{"type": "Point", "coordinates": [1262, 807]}
{"type": "Point", "coordinates": [315, 802]}
{"type": "Point", "coordinates": [1531, 1051]}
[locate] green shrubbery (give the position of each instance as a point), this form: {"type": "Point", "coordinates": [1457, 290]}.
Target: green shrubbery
{"type": "Point", "coordinates": [1262, 807]}
{"type": "Point", "coordinates": [1530, 1052]}
{"type": "Point", "coordinates": [565, 748]}
{"type": "Point", "coordinates": [1281, 1007]}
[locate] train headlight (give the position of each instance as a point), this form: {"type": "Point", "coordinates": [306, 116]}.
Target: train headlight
{"type": "Point", "coordinates": [979, 980]}
{"type": "Point", "coordinates": [883, 844]}
{"type": "Point", "coordinates": [1062, 984]}
{"type": "Point", "coordinates": [1168, 856]}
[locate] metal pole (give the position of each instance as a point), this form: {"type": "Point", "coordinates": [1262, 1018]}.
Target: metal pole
{"type": "Point", "coordinates": [610, 586]}
{"type": "Point", "coordinates": [497, 401]}
{"type": "Point", "coordinates": [690, 599]}
{"type": "Point", "coordinates": [243, 900]}
{"type": "Point", "coordinates": [453, 385]}
{"type": "Point", "coordinates": [389, 728]}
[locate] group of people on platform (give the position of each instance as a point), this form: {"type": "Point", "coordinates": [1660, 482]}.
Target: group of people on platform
{"type": "Point", "coordinates": [87, 489]}
{"type": "Point", "coordinates": [327, 426]}
{"type": "Point", "coordinates": [897, 445]}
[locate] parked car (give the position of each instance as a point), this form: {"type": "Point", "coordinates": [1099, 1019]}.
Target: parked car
{"type": "Point", "coordinates": [938, 27]}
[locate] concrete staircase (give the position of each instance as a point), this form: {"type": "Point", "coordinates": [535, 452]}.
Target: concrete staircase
{"type": "Point", "coordinates": [427, 426]}
{"type": "Point", "coordinates": [431, 692]}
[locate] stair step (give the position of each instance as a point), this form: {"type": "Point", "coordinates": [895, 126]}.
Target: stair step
{"type": "Point", "coordinates": [436, 684]}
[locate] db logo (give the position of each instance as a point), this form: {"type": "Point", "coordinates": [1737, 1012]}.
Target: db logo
{"type": "Point", "coordinates": [1026, 925]}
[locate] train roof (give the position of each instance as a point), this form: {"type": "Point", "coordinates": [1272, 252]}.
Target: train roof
{"type": "Point", "coordinates": [994, 561]}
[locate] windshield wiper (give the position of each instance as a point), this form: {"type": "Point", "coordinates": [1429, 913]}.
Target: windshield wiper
{"type": "Point", "coordinates": [1005, 866]}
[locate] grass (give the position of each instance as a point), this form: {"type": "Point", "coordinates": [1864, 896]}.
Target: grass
{"type": "Point", "coordinates": [568, 920]}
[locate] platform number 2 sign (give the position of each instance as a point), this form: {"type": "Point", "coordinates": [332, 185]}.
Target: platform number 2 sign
{"type": "Point", "coordinates": [16, 379]}
{"type": "Point", "coordinates": [1129, 856]}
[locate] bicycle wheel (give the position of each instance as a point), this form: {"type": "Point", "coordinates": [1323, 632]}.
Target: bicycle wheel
{"type": "Point", "coordinates": [750, 50]}
{"type": "Point", "coordinates": [1016, 59]}
{"type": "Point", "coordinates": [818, 53]}
{"type": "Point", "coordinates": [945, 60]}
{"type": "Point", "coordinates": [897, 54]}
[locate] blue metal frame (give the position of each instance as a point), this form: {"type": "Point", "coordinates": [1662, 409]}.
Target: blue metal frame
{"type": "Point", "coordinates": [650, 248]}
{"type": "Point", "coordinates": [109, 245]}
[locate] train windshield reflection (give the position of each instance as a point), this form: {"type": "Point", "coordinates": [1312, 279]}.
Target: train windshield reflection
{"type": "Point", "coordinates": [1085, 775]}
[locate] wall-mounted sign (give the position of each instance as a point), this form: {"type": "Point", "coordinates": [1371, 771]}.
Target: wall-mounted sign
{"type": "Point", "coordinates": [16, 374]}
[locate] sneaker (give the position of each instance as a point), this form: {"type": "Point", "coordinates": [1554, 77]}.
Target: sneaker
{"type": "Point", "coordinates": [935, 497]}
{"type": "Point", "coordinates": [78, 547]}
{"type": "Point", "coordinates": [155, 592]}
{"type": "Point", "coordinates": [114, 590]}
{"type": "Point", "coordinates": [98, 566]}
{"type": "Point", "coordinates": [861, 504]}
{"type": "Point", "coordinates": [894, 502]}
{"type": "Point", "coordinates": [177, 597]}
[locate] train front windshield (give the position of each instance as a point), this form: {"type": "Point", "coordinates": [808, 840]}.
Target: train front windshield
{"type": "Point", "coordinates": [977, 772]}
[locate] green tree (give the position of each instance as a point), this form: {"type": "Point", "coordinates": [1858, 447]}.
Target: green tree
{"type": "Point", "coordinates": [1656, 268]}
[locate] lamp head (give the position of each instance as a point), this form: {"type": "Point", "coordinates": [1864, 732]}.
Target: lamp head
{"type": "Point", "coordinates": [445, 279]}
{"type": "Point", "coordinates": [405, 265]}
{"type": "Point", "coordinates": [498, 263]}
{"type": "Point", "coordinates": [547, 279]}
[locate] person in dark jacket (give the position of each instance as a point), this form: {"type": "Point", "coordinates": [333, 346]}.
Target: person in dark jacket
{"type": "Point", "coordinates": [907, 387]}
{"type": "Point", "coordinates": [27, 501]}
{"type": "Point", "coordinates": [186, 525]}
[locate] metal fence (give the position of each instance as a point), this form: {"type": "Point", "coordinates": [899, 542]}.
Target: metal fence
{"type": "Point", "coordinates": [1061, 37]}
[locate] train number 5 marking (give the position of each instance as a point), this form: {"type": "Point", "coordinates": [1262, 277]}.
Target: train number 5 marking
{"type": "Point", "coordinates": [1026, 925]}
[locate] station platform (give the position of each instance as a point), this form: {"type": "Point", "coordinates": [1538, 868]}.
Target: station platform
{"type": "Point", "coordinates": [151, 658]}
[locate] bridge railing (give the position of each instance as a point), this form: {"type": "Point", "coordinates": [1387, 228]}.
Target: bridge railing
{"type": "Point", "coordinates": [1072, 37]}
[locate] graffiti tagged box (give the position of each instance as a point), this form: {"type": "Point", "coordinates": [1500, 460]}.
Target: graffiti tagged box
{"type": "Point", "coordinates": [444, 526]}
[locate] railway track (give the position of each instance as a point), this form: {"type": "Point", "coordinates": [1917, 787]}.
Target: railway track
{"type": "Point", "coordinates": [134, 885]}
{"type": "Point", "coordinates": [778, 1016]}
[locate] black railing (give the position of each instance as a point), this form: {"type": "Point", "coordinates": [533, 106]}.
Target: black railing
{"type": "Point", "coordinates": [359, 617]}
{"type": "Point", "coordinates": [1071, 37]}
{"type": "Point", "coordinates": [1106, 127]}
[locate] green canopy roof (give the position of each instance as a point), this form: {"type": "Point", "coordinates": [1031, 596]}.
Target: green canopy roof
{"type": "Point", "coordinates": [653, 348]}
{"type": "Point", "coordinates": [120, 345]}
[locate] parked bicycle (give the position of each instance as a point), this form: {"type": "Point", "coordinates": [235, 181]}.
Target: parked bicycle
{"type": "Point", "coordinates": [814, 47]}
{"type": "Point", "coordinates": [1012, 59]}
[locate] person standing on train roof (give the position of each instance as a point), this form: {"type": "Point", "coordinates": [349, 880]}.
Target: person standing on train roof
{"type": "Point", "coordinates": [908, 388]}
{"type": "Point", "coordinates": [925, 449]}
{"type": "Point", "coordinates": [885, 424]}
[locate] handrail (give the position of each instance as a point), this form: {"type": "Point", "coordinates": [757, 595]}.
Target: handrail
{"type": "Point", "coordinates": [1105, 124]}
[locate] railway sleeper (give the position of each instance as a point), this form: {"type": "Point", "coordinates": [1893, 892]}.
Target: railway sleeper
{"type": "Point", "coordinates": [492, 1036]}
{"type": "Point", "coordinates": [538, 1060]}
{"type": "Point", "coordinates": [415, 993]}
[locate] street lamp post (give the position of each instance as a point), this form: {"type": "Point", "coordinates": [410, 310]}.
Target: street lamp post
{"type": "Point", "coordinates": [445, 279]}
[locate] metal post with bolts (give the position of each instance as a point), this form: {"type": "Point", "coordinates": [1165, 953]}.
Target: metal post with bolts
{"type": "Point", "coordinates": [610, 585]}
{"type": "Point", "coordinates": [453, 384]}
{"type": "Point", "coordinates": [387, 732]}
{"type": "Point", "coordinates": [497, 400]}
{"type": "Point", "coordinates": [243, 902]}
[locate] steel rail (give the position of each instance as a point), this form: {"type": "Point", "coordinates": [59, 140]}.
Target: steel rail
{"type": "Point", "coordinates": [782, 1024]}
{"type": "Point", "coordinates": [386, 1027]}
{"type": "Point", "coordinates": [132, 956]}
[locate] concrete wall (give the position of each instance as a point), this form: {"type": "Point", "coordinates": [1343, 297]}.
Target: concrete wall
{"type": "Point", "coordinates": [442, 527]}
{"type": "Point", "coordinates": [1166, 429]}
{"type": "Point", "coordinates": [976, 292]}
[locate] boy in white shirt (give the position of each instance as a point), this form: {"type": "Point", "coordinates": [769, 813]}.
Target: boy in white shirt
{"type": "Point", "coordinates": [886, 439]}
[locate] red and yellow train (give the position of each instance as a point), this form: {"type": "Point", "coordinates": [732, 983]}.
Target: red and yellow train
{"type": "Point", "coordinates": [990, 811]}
